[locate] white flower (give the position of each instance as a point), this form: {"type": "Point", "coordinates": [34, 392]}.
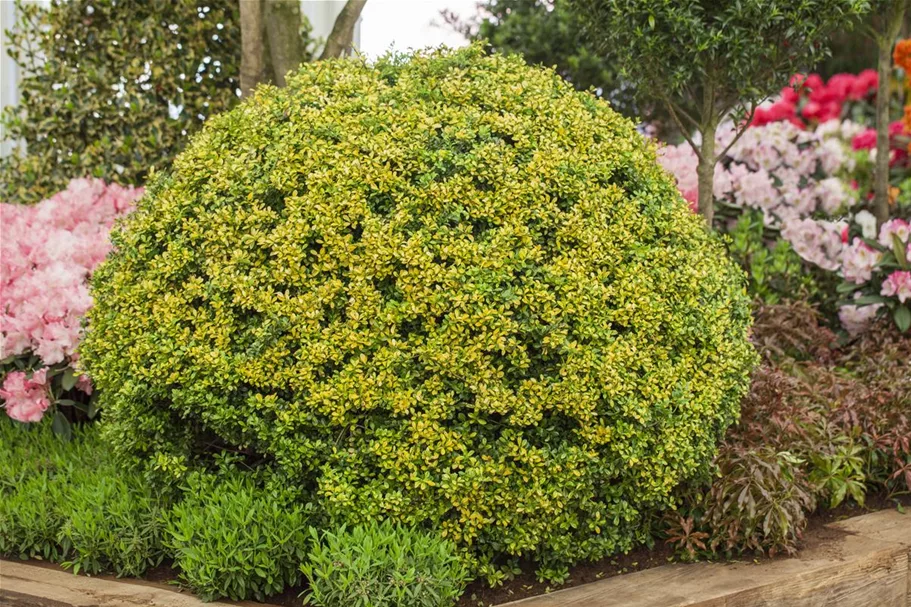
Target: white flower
{"type": "Point", "coordinates": [867, 223]}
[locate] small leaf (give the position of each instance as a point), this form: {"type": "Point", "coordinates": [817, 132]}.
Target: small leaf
{"type": "Point", "coordinates": [69, 379]}
{"type": "Point", "coordinates": [866, 300]}
{"type": "Point", "coordinates": [61, 426]}
{"type": "Point", "coordinates": [847, 287]}
{"type": "Point", "coordinates": [902, 317]}
{"type": "Point", "coordinates": [898, 249]}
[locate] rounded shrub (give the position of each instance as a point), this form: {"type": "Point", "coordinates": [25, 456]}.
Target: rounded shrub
{"type": "Point", "coordinates": [443, 289]}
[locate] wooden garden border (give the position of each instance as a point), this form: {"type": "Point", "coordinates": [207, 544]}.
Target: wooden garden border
{"type": "Point", "coordinates": [859, 562]}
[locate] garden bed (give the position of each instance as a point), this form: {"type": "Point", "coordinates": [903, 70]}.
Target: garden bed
{"type": "Point", "coordinates": [818, 533]}
{"type": "Point", "coordinates": [862, 560]}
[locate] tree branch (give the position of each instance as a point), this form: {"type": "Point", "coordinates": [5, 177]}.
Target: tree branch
{"type": "Point", "coordinates": [683, 131]}
{"type": "Point", "coordinates": [740, 132]}
{"type": "Point", "coordinates": [342, 34]}
{"type": "Point", "coordinates": [684, 113]}
{"type": "Point", "coordinates": [252, 65]}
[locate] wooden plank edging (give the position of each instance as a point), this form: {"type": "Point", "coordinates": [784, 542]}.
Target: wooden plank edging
{"type": "Point", "coordinates": [42, 586]}
{"type": "Point", "coordinates": [860, 562]}
{"type": "Point", "coordinates": [864, 562]}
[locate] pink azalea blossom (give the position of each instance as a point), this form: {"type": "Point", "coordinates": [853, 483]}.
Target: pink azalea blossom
{"type": "Point", "coordinates": [47, 253]}
{"type": "Point", "coordinates": [858, 262]}
{"type": "Point", "coordinates": [26, 399]}
{"type": "Point", "coordinates": [865, 140]}
{"type": "Point", "coordinates": [856, 319]}
{"type": "Point", "coordinates": [898, 285]}
{"type": "Point", "coordinates": [818, 242]}
{"type": "Point", "coordinates": [898, 227]}
{"type": "Point", "coordinates": [84, 384]}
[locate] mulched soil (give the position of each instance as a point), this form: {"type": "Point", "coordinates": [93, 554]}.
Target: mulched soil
{"type": "Point", "coordinates": [525, 585]}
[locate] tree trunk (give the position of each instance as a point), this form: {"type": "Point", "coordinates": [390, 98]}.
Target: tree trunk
{"type": "Point", "coordinates": [252, 60]}
{"type": "Point", "coordinates": [892, 25]}
{"type": "Point", "coordinates": [705, 171]}
{"type": "Point", "coordinates": [342, 34]}
{"type": "Point", "coordinates": [283, 24]}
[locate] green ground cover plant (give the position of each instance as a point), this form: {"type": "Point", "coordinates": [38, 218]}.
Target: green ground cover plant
{"type": "Point", "coordinates": [383, 565]}
{"type": "Point", "coordinates": [232, 538]}
{"type": "Point", "coordinates": [111, 523]}
{"type": "Point", "coordinates": [444, 289]}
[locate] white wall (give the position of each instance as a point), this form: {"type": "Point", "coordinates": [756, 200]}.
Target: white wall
{"type": "Point", "coordinates": [8, 73]}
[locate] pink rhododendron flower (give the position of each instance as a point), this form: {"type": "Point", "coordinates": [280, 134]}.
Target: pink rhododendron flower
{"type": "Point", "coordinates": [858, 262]}
{"type": "Point", "coordinates": [818, 242]}
{"type": "Point", "coordinates": [778, 169]}
{"type": "Point", "coordinates": [864, 85]}
{"type": "Point", "coordinates": [898, 227]}
{"type": "Point", "coordinates": [898, 285]}
{"type": "Point", "coordinates": [26, 399]}
{"type": "Point", "coordinates": [818, 101]}
{"type": "Point", "coordinates": [47, 253]}
{"type": "Point", "coordinates": [84, 384]}
{"type": "Point", "coordinates": [856, 319]}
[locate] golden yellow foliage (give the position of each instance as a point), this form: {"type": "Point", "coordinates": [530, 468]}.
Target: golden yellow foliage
{"type": "Point", "coordinates": [444, 289]}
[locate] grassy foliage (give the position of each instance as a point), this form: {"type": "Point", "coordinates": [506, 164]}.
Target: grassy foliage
{"type": "Point", "coordinates": [445, 289]}
{"type": "Point", "coordinates": [36, 472]}
{"type": "Point", "coordinates": [112, 523]}
{"type": "Point", "coordinates": [231, 538]}
{"type": "Point", "coordinates": [383, 565]}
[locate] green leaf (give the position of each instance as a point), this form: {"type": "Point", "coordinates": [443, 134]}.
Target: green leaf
{"type": "Point", "coordinates": [898, 249]}
{"type": "Point", "coordinates": [902, 317]}
{"type": "Point", "coordinates": [69, 379]}
{"type": "Point", "coordinates": [61, 426]}
{"type": "Point", "coordinates": [867, 300]}
{"type": "Point", "coordinates": [847, 287]}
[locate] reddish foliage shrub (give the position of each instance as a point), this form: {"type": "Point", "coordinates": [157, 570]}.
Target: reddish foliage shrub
{"type": "Point", "coordinates": [822, 423]}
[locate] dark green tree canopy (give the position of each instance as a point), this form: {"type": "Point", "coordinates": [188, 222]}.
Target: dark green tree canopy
{"type": "Point", "coordinates": [743, 49]}
{"type": "Point", "coordinates": [704, 59]}
{"type": "Point", "coordinates": [111, 88]}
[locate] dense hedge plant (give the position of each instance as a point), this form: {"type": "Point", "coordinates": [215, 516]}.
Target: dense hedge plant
{"type": "Point", "coordinates": [383, 565]}
{"type": "Point", "coordinates": [443, 289]}
{"type": "Point", "coordinates": [111, 88]}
